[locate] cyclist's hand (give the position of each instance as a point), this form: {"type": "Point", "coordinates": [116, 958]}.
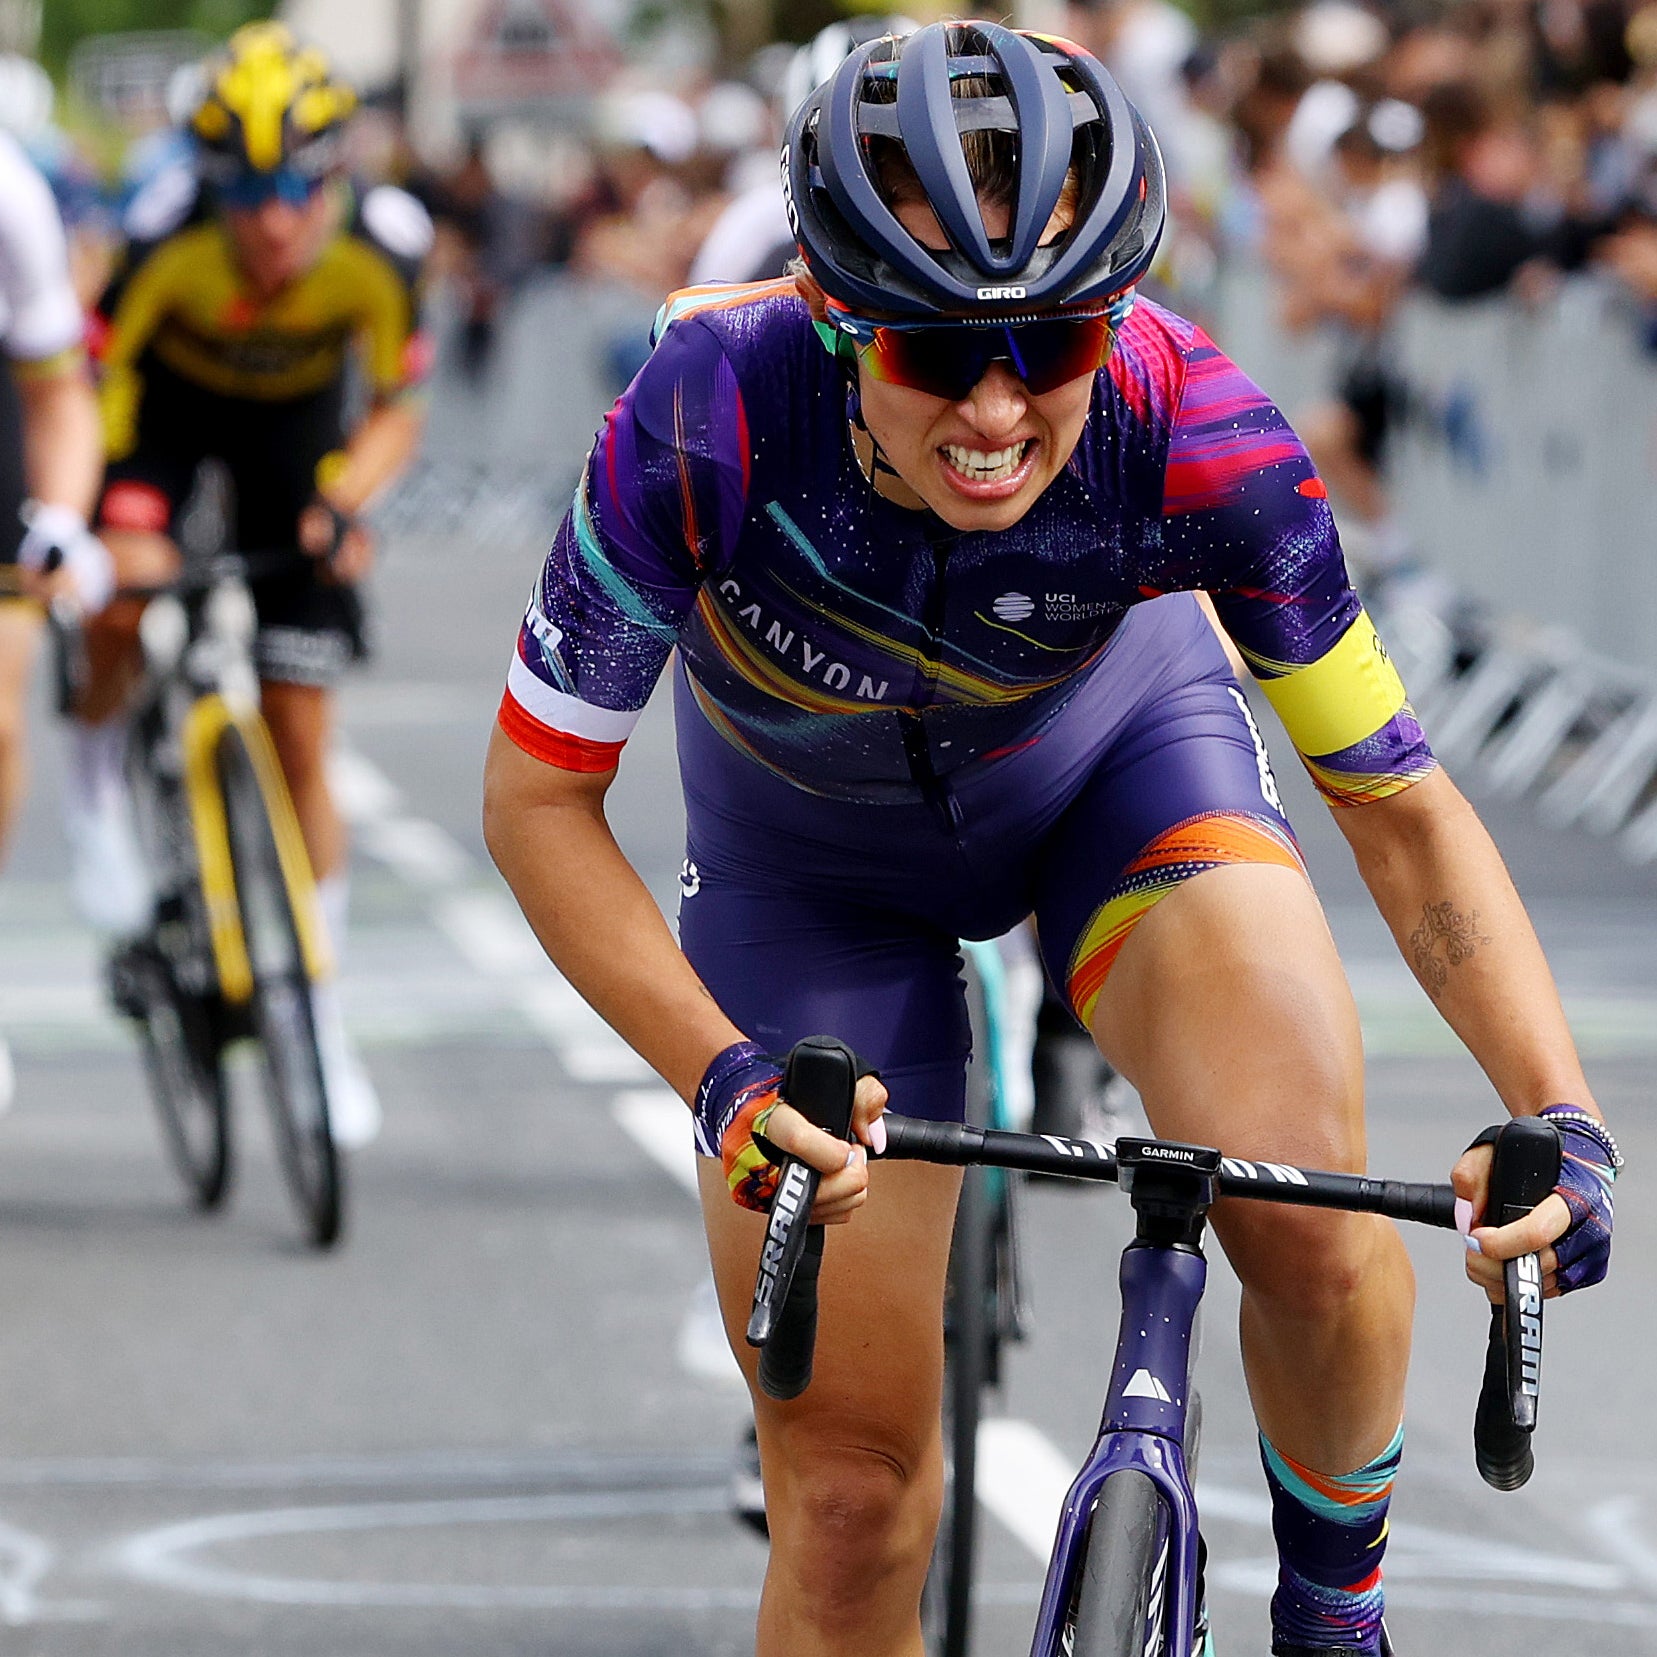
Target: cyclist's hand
{"type": "Point", "coordinates": [345, 544]}
{"type": "Point", "coordinates": [59, 558]}
{"type": "Point", "coordinates": [845, 1184]}
{"type": "Point", "coordinates": [741, 1118]}
{"type": "Point", "coordinates": [1575, 1219]}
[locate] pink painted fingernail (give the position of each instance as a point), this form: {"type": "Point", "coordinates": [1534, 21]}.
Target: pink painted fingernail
{"type": "Point", "coordinates": [877, 1136]}
{"type": "Point", "coordinates": [1474, 1246]}
{"type": "Point", "coordinates": [851, 1156]}
{"type": "Point", "coordinates": [1464, 1216]}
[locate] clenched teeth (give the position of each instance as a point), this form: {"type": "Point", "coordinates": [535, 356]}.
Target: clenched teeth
{"type": "Point", "coordinates": [985, 468]}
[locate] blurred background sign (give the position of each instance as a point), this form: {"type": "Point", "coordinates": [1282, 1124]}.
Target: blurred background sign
{"type": "Point", "coordinates": [125, 76]}
{"type": "Point", "coordinates": [533, 52]}
{"type": "Point", "coordinates": [19, 25]}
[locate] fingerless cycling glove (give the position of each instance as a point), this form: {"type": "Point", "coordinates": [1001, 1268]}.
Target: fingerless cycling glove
{"type": "Point", "coordinates": [1586, 1173]}
{"type": "Point", "coordinates": [738, 1092]}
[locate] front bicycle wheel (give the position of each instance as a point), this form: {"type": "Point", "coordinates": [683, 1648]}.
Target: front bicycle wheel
{"type": "Point", "coordinates": [977, 1317]}
{"type": "Point", "coordinates": [182, 1065]}
{"type": "Point", "coordinates": [968, 1331]}
{"type": "Point", "coordinates": [282, 1017]}
{"type": "Point", "coordinates": [1120, 1594]}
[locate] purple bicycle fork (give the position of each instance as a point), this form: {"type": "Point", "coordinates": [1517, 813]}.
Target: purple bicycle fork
{"type": "Point", "coordinates": [1142, 1430]}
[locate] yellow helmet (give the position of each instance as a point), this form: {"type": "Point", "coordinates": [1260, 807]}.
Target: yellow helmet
{"type": "Point", "coordinates": [270, 104]}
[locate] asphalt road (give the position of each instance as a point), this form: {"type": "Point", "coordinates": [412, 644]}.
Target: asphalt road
{"type": "Point", "coordinates": [489, 1423]}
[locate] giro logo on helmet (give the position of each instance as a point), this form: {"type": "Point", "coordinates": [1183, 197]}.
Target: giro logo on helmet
{"type": "Point", "coordinates": [1001, 293]}
{"type": "Point", "coordinates": [788, 195]}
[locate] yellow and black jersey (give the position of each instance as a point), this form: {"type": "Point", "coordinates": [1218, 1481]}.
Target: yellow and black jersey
{"type": "Point", "coordinates": [179, 300]}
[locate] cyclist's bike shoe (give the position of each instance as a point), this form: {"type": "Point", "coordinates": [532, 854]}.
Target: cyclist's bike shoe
{"type": "Point", "coordinates": [747, 1493]}
{"type": "Point", "coordinates": [108, 880]}
{"type": "Point", "coordinates": [353, 1104]}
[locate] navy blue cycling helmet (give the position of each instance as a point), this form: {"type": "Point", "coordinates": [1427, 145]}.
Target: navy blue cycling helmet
{"type": "Point", "coordinates": [905, 105]}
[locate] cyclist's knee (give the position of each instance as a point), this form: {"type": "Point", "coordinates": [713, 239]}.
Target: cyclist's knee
{"type": "Point", "coordinates": [1307, 1265]}
{"type": "Point", "coordinates": [851, 1515]}
{"type": "Point", "coordinates": [142, 558]}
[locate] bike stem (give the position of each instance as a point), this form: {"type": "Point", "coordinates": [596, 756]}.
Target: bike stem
{"type": "Point", "coordinates": [1162, 1276]}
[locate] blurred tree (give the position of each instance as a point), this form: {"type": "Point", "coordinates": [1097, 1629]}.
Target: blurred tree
{"type": "Point", "coordinates": [67, 21]}
{"type": "Point", "coordinates": [801, 19]}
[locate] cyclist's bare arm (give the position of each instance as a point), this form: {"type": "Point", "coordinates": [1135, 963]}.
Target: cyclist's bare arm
{"type": "Point", "coordinates": [63, 441]}
{"type": "Point", "coordinates": [376, 453]}
{"type": "Point", "coordinates": [546, 830]}
{"type": "Point", "coordinates": [1441, 886]}
{"type": "Point", "coordinates": [62, 452]}
{"type": "Point", "coordinates": [373, 457]}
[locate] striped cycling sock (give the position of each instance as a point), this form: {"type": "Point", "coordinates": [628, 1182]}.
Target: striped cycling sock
{"type": "Point", "coordinates": [1331, 1531]}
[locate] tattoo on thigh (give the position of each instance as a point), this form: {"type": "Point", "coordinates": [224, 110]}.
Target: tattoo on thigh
{"type": "Point", "coordinates": [1445, 938]}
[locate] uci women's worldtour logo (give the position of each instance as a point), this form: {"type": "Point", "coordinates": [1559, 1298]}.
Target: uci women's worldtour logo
{"type": "Point", "coordinates": [1057, 607]}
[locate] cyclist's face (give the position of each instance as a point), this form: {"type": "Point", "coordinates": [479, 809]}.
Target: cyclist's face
{"type": "Point", "coordinates": [278, 241]}
{"type": "Point", "coordinates": [982, 462]}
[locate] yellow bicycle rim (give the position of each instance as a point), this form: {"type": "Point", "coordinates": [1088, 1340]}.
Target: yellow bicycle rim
{"type": "Point", "coordinates": [203, 727]}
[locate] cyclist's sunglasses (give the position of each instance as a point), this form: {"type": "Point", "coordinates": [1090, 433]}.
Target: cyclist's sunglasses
{"type": "Point", "coordinates": [948, 359]}
{"type": "Point", "coordinates": [249, 187]}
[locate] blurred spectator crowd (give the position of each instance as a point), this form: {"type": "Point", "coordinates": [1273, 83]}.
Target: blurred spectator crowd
{"type": "Point", "coordinates": [1355, 150]}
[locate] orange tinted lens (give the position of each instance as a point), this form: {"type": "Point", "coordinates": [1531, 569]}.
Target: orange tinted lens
{"type": "Point", "coordinates": [948, 361]}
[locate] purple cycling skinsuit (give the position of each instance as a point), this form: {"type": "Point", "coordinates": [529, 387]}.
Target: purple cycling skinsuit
{"type": "Point", "coordinates": [893, 734]}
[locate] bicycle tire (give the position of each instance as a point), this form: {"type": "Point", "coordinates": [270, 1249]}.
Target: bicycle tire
{"type": "Point", "coordinates": [968, 1336]}
{"type": "Point", "coordinates": [1118, 1602]}
{"type": "Point", "coordinates": [181, 1056]}
{"type": "Point", "coordinates": [295, 1089]}
{"type": "Point", "coordinates": [974, 1326]}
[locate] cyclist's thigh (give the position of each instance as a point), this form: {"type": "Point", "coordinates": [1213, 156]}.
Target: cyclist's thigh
{"type": "Point", "coordinates": [876, 1385]}
{"type": "Point", "coordinates": [787, 964]}
{"type": "Point", "coordinates": [1177, 913]}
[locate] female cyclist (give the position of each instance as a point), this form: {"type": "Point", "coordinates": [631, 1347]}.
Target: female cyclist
{"type": "Point", "coordinates": [924, 525]}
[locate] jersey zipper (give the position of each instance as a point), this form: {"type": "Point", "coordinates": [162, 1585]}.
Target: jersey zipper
{"type": "Point", "coordinates": [935, 790]}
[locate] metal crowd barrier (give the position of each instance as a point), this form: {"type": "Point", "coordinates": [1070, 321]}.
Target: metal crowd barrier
{"type": "Point", "coordinates": [1526, 472]}
{"type": "Point", "coordinates": [474, 505]}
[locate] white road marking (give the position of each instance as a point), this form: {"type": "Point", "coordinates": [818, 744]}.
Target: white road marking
{"type": "Point", "coordinates": [660, 1125]}
{"type": "Point", "coordinates": [170, 1556]}
{"type": "Point", "coordinates": [363, 792]}
{"type": "Point", "coordinates": [24, 1561]}
{"type": "Point", "coordinates": [703, 1349]}
{"type": "Point", "coordinates": [425, 855]}
{"type": "Point", "coordinates": [1612, 1526]}
{"type": "Point", "coordinates": [421, 1469]}
{"type": "Point", "coordinates": [482, 924]}
{"type": "Point", "coordinates": [1022, 1480]}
